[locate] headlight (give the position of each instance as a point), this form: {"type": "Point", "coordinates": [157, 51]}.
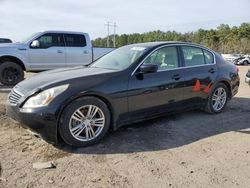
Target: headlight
{"type": "Point", "coordinates": [45, 97]}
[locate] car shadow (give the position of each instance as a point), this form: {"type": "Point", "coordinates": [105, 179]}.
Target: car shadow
{"type": "Point", "coordinates": [171, 131]}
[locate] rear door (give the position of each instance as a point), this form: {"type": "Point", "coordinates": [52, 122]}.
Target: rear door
{"type": "Point", "coordinates": [200, 72]}
{"type": "Point", "coordinates": [159, 91]}
{"type": "Point", "coordinates": [77, 50]}
{"type": "Point", "coordinates": [50, 54]}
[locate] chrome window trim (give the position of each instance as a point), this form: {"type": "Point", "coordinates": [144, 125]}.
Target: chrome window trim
{"type": "Point", "coordinates": [169, 45]}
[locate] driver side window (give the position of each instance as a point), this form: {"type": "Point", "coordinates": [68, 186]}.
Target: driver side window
{"type": "Point", "coordinates": [165, 58]}
{"type": "Point", "coordinates": [50, 40]}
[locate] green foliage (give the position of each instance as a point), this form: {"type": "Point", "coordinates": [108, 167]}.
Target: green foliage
{"type": "Point", "coordinates": [224, 39]}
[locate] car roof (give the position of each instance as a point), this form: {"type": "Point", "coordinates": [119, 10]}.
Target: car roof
{"type": "Point", "coordinates": [162, 43]}
{"type": "Point", "coordinates": [64, 32]}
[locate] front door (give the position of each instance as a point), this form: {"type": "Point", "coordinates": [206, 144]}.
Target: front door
{"type": "Point", "coordinates": [50, 54]}
{"type": "Point", "coordinates": [154, 93]}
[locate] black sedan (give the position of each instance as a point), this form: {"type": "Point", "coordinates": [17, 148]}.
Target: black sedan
{"type": "Point", "coordinates": [134, 82]}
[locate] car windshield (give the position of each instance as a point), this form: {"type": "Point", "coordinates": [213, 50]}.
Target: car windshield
{"type": "Point", "coordinates": [120, 58]}
{"type": "Point", "coordinates": [25, 40]}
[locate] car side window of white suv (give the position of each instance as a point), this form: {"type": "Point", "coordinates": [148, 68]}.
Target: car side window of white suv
{"type": "Point", "coordinates": [75, 40]}
{"type": "Point", "coordinates": [50, 39]}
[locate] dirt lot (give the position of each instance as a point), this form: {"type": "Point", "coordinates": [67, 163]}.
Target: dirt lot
{"type": "Point", "coordinates": [190, 149]}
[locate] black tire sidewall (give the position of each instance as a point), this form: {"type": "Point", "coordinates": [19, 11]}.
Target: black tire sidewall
{"type": "Point", "coordinates": [210, 108]}
{"type": "Point", "coordinates": [70, 109]}
{"type": "Point", "coordinates": [14, 65]}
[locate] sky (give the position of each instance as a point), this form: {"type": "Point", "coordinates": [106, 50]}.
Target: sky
{"type": "Point", "coordinates": [21, 18]}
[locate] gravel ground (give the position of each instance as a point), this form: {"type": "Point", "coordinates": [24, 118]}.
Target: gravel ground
{"type": "Point", "coordinates": [189, 149]}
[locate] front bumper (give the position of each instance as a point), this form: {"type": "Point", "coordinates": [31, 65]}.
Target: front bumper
{"type": "Point", "coordinates": [40, 120]}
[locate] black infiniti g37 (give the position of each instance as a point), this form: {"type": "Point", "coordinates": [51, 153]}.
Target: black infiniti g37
{"type": "Point", "coordinates": [132, 83]}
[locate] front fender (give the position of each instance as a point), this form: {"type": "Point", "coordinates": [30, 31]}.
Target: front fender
{"type": "Point", "coordinates": [21, 54]}
{"type": "Point", "coordinates": [101, 96]}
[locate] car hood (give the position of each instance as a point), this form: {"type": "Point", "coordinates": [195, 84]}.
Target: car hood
{"type": "Point", "coordinates": [12, 45]}
{"type": "Point", "coordinates": [55, 77]}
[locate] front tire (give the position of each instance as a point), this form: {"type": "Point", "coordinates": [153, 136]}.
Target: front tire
{"type": "Point", "coordinates": [217, 99]}
{"type": "Point", "coordinates": [10, 73]}
{"type": "Point", "coordinates": [84, 122]}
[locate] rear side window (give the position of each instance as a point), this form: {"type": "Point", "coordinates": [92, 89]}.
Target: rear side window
{"type": "Point", "coordinates": [193, 56]}
{"type": "Point", "coordinates": [209, 58]}
{"type": "Point", "coordinates": [50, 39]}
{"type": "Point", "coordinates": [74, 40]}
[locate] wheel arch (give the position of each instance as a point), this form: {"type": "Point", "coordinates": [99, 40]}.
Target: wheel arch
{"type": "Point", "coordinates": [247, 60]}
{"type": "Point", "coordinates": [81, 95]}
{"type": "Point", "coordinates": [227, 84]}
{"type": "Point", "coordinates": [12, 59]}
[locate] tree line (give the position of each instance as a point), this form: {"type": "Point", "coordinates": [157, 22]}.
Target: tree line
{"type": "Point", "coordinates": [223, 39]}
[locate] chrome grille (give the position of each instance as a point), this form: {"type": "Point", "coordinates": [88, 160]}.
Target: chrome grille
{"type": "Point", "coordinates": [14, 97]}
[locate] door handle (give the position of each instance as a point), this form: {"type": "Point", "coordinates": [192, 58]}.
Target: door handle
{"type": "Point", "coordinates": [176, 77]}
{"type": "Point", "coordinates": [59, 51]}
{"type": "Point", "coordinates": [212, 70]}
{"type": "Point", "coordinates": [85, 51]}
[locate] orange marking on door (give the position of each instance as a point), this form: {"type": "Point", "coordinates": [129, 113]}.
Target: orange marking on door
{"type": "Point", "coordinates": [207, 88]}
{"type": "Point", "coordinates": [197, 86]}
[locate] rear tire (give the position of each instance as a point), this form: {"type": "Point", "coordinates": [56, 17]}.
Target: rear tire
{"type": "Point", "coordinates": [84, 122]}
{"type": "Point", "coordinates": [11, 73]}
{"type": "Point", "coordinates": [245, 62]}
{"type": "Point", "coordinates": [217, 99]}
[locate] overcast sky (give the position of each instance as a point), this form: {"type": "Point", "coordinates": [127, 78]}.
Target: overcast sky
{"type": "Point", "coordinates": [20, 18]}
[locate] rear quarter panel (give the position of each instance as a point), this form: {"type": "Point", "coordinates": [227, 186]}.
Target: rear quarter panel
{"type": "Point", "coordinates": [227, 73]}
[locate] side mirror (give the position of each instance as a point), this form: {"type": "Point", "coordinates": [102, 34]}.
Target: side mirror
{"type": "Point", "coordinates": [35, 44]}
{"type": "Point", "coordinates": [148, 68]}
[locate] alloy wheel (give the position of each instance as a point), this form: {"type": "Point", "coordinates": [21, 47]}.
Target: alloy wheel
{"type": "Point", "coordinates": [219, 98]}
{"type": "Point", "coordinates": [86, 123]}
